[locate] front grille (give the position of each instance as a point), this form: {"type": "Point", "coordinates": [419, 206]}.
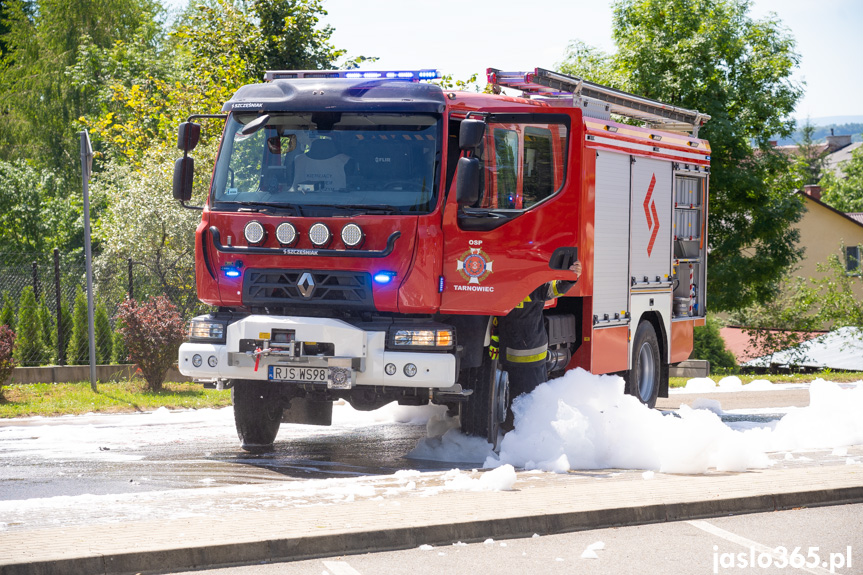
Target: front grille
{"type": "Point", "coordinates": [307, 287]}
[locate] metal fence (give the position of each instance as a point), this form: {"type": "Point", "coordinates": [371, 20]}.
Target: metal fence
{"type": "Point", "coordinates": [42, 293]}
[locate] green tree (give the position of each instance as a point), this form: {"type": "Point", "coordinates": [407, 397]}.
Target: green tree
{"type": "Point", "coordinates": [119, 352]}
{"type": "Point", "coordinates": [104, 334]}
{"type": "Point", "coordinates": [35, 214]}
{"type": "Point", "coordinates": [708, 344]}
{"type": "Point", "coordinates": [811, 158]}
{"type": "Point", "coordinates": [710, 55]}
{"type": "Point", "coordinates": [29, 347]}
{"type": "Point", "coordinates": [46, 323]}
{"type": "Point", "coordinates": [845, 192]}
{"type": "Point", "coordinates": [39, 102]}
{"type": "Point", "coordinates": [290, 37]}
{"type": "Point", "coordinates": [78, 350]}
{"type": "Point", "coordinates": [66, 330]}
{"type": "Point", "coordinates": [7, 314]}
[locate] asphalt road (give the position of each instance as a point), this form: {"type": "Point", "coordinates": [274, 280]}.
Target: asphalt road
{"type": "Point", "coordinates": [112, 454]}
{"type": "Point", "coordinates": [820, 540]}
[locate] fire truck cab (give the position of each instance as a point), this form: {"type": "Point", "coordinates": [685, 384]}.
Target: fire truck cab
{"type": "Point", "coordinates": [362, 230]}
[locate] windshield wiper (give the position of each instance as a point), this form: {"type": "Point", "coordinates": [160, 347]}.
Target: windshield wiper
{"type": "Point", "coordinates": [266, 207]}
{"type": "Point", "coordinates": [371, 208]}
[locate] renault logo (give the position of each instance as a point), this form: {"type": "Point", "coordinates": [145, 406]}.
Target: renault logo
{"type": "Point", "coordinates": [306, 285]}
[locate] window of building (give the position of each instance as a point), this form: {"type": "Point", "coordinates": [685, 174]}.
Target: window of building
{"type": "Point", "coordinates": [852, 260]}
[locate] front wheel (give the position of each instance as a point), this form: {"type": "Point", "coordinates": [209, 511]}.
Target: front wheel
{"type": "Point", "coordinates": [486, 408]}
{"type": "Point", "coordinates": [643, 379]}
{"type": "Point", "coordinates": [257, 413]}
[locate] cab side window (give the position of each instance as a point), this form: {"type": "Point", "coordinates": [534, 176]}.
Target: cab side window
{"type": "Point", "coordinates": [538, 166]}
{"type": "Point", "coordinates": [505, 168]}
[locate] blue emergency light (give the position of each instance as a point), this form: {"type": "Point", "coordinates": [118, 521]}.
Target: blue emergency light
{"type": "Point", "coordinates": [412, 75]}
{"type": "Point", "coordinates": [407, 75]}
{"type": "Point", "coordinates": [384, 278]}
{"type": "Point", "coordinates": [232, 270]}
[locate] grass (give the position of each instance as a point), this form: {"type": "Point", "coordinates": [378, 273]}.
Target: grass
{"type": "Point", "coordinates": [52, 399]}
{"type": "Point", "coordinates": [837, 376]}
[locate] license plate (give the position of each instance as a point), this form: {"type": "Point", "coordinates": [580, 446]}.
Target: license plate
{"type": "Point", "coordinates": [298, 374]}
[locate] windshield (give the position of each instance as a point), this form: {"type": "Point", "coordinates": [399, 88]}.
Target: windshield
{"type": "Point", "coordinates": [353, 160]}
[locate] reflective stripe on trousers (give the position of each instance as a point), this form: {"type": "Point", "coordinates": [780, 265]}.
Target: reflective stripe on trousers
{"type": "Point", "coordinates": [526, 355]}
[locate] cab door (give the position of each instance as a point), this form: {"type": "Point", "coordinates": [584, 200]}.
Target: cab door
{"type": "Point", "coordinates": [501, 247]}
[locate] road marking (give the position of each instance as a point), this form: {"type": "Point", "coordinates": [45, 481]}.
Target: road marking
{"type": "Point", "coordinates": [748, 543]}
{"type": "Point", "coordinates": [340, 568]}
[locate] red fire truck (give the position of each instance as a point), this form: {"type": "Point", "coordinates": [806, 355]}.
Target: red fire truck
{"type": "Point", "coordinates": [362, 230]}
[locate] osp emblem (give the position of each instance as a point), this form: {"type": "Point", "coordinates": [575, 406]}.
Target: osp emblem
{"type": "Point", "coordinates": [474, 265]}
{"type": "Point", "coordinates": [651, 215]}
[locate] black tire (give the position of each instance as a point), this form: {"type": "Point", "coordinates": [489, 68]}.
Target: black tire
{"type": "Point", "coordinates": [486, 408]}
{"type": "Point", "coordinates": [643, 380]}
{"type": "Point", "coordinates": [257, 413]}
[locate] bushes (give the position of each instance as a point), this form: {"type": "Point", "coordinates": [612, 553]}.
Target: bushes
{"type": "Point", "coordinates": [78, 350]}
{"type": "Point", "coordinates": [7, 362]}
{"type": "Point", "coordinates": [103, 334]}
{"type": "Point", "coordinates": [153, 332]}
{"type": "Point", "coordinates": [7, 314]}
{"type": "Point", "coordinates": [708, 344]}
{"type": "Point", "coordinates": [30, 349]}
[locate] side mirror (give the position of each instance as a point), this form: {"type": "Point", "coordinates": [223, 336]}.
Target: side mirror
{"type": "Point", "coordinates": [470, 134]}
{"type": "Point", "coordinates": [188, 136]}
{"type": "Point", "coordinates": [467, 184]}
{"type": "Point", "coordinates": [184, 172]}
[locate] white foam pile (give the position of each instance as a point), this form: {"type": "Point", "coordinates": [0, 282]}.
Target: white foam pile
{"type": "Point", "coordinates": [584, 421]}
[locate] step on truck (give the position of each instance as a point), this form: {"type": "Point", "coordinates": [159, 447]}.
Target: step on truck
{"type": "Point", "coordinates": [363, 229]}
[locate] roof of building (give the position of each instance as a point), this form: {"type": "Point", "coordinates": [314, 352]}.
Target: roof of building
{"type": "Point", "coordinates": [834, 160]}
{"type": "Point", "coordinates": [740, 343]}
{"type": "Point", "coordinates": [854, 217]}
{"type": "Point", "coordinates": [839, 349]}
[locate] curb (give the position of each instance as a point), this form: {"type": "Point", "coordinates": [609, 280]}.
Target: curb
{"type": "Point", "coordinates": [376, 540]}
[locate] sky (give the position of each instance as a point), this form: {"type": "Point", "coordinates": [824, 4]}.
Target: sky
{"type": "Point", "coordinates": [462, 37]}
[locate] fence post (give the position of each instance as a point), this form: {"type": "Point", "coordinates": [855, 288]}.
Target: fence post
{"type": "Point", "coordinates": [36, 280]}
{"type": "Point", "coordinates": [61, 359]}
{"type": "Point", "coordinates": [131, 283]}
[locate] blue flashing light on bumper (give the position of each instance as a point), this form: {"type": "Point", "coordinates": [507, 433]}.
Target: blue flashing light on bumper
{"type": "Point", "coordinates": [384, 278]}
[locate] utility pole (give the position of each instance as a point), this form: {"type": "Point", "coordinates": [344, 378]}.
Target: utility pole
{"type": "Point", "coordinates": [86, 168]}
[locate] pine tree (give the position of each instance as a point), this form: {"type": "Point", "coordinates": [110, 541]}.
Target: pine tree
{"type": "Point", "coordinates": [29, 348]}
{"type": "Point", "coordinates": [119, 352]}
{"type": "Point", "coordinates": [78, 351]}
{"type": "Point", "coordinates": [66, 329]}
{"type": "Point", "coordinates": [46, 322]}
{"type": "Point", "coordinates": [104, 336]}
{"type": "Point", "coordinates": [7, 314]}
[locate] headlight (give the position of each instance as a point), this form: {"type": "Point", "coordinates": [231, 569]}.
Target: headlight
{"type": "Point", "coordinates": [352, 235]}
{"type": "Point", "coordinates": [428, 338]}
{"type": "Point", "coordinates": [254, 232]}
{"type": "Point", "coordinates": [286, 233]}
{"type": "Point", "coordinates": [206, 329]}
{"type": "Point", "coordinates": [320, 234]}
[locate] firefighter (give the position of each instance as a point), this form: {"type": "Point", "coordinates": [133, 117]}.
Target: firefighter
{"type": "Point", "coordinates": [525, 340]}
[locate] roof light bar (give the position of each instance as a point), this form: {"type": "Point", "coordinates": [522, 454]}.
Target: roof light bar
{"type": "Point", "coordinates": [407, 75]}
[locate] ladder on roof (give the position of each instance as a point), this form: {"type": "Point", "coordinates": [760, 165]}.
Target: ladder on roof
{"type": "Point", "coordinates": [547, 84]}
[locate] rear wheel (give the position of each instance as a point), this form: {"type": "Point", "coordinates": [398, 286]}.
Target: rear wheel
{"type": "Point", "coordinates": [486, 408]}
{"type": "Point", "coordinates": [257, 413]}
{"type": "Point", "coordinates": [643, 379]}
